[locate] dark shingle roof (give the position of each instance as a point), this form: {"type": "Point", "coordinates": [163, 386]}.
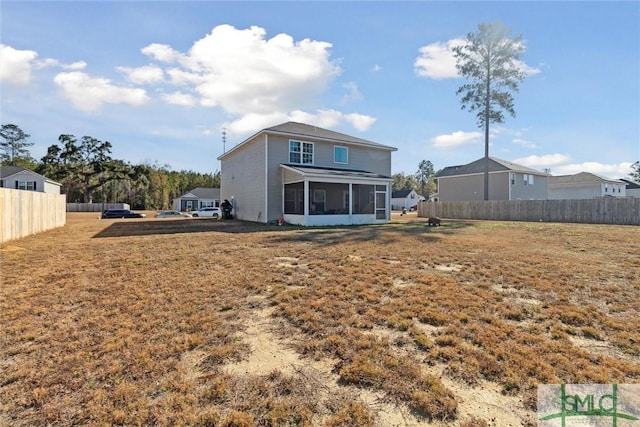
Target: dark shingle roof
{"type": "Point", "coordinates": [400, 194]}
{"type": "Point", "coordinates": [495, 165]}
{"type": "Point", "coordinates": [630, 184]}
{"type": "Point", "coordinates": [204, 193]}
{"type": "Point", "coordinates": [6, 171]}
{"type": "Point", "coordinates": [301, 130]}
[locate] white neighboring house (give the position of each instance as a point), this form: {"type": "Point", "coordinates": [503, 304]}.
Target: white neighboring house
{"type": "Point", "coordinates": [584, 185]}
{"type": "Point", "coordinates": [405, 199]}
{"type": "Point", "coordinates": [19, 178]}
{"type": "Point", "coordinates": [199, 197]}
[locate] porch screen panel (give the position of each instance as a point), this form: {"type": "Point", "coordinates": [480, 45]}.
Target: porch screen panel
{"type": "Point", "coordinates": [331, 201]}
{"type": "Point", "coordinates": [294, 198]}
{"type": "Point", "coordinates": [363, 199]}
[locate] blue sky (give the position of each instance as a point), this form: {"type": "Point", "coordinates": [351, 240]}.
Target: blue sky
{"type": "Point", "coordinates": [161, 80]}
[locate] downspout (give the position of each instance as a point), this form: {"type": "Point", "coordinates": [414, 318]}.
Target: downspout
{"type": "Point", "coordinates": [266, 178]}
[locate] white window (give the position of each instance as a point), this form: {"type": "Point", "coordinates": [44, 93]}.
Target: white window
{"type": "Point", "coordinates": [301, 152]}
{"type": "Point", "coordinates": [513, 179]}
{"type": "Point", "coordinates": [528, 179]}
{"type": "Point", "coordinates": [340, 154]}
{"type": "Point", "coordinates": [26, 185]}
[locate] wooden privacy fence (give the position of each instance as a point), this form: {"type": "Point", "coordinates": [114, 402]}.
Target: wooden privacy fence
{"type": "Point", "coordinates": [28, 212]}
{"type": "Point", "coordinates": [589, 211]}
{"type": "Point", "coordinates": [95, 207]}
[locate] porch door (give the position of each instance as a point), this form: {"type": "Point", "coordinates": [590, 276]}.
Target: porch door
{"type": "Point", "coordinates": [381, 202]}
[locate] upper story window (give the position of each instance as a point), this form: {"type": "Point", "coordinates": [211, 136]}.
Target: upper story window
{"type": "Point", "coordinates": [301, 152]}
{"type": "Point", "coordinates": [340, 154]}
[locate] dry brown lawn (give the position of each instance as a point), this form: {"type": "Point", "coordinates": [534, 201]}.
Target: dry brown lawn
{"type": "Point", "coordinates": [204, 322]}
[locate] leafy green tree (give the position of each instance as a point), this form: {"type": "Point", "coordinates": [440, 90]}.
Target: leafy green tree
{"type": "Point", "coordinates": [489, 61]}
{"type": "Point", "coordinates": [13, 147]}
{"type": "Point", "coordinates": [403, 182]}
{"type": "Point", "coordinates": [635, 172]}
{"type": "Point", "coordinates": [425, 174]}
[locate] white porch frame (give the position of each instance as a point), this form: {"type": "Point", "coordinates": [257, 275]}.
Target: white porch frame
{"type": "Point", "coordinates": [307, 177]}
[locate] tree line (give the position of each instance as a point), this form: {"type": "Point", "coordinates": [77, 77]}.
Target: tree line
{"type": "Point", "coordinates": [89, 173]}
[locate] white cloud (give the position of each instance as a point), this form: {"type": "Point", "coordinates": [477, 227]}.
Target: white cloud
{"type": "Point", "coordinates": [436, 60]}
{"type": "Point", "coordinates": [89, 94]}
{"type": "Point", "coordinates": [524, 143]}
{"type": "Point", "coordinates": [148, 74]}
{"type": "Point", "coordinates": [560, 164]}
{"type": "Point", "coordinates": [456, 139]}
{"type": "Point", "coordinates": [15, 65]}
{"type": "Point", "coordinates": [619, 170]}
{"type": "Point", "coordinates": [360, 121]}
{"type": "Point", "coordinates": [354, 93]}
{"type": "Point", "coordinates": [179, 98]}
{"type": "Point", "coordinates": [243, 72]}
{"type": "Point", "coordinates": [376, 68]}
{"type": "Point", "coordinates": [162, 52]}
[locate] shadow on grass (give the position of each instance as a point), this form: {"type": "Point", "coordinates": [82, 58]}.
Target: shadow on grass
{"type": "Point", "coordinates": [288, 233]}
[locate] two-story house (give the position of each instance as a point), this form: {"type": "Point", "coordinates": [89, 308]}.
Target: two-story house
{"type": "Point", "coordinates": [585, 185]}
{"type": "Point", "coordinates": [307, 175]}
{"type": "Point", "coordinates": [507, 181]}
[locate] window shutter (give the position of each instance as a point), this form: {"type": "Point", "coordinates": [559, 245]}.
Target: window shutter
{"type": "Point", "coordinates": [1, 182]}
{"type": "Point", "coordinates": [16, 185]}
{"type": "Point", "coordinates": [34, 186]}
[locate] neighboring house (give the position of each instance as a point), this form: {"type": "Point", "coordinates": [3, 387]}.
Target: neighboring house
{"type": "Point", "coordinates": [584, 185]}
{"type": "Point", "coordinates": [19, 178]}
{"type": "Point", "coordinates": [197, 198]}
{"type": "Point", "coordinates": [507, 181]}
{"type": "Point", "coordinates": [307, 175]}
{"type": "Point", "coordinates": [405, 199]}
{"type": "Point", "coordinates": [632, 188]}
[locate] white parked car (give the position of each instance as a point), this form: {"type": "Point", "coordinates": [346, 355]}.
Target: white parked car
{"type": "Point", "coordinates": [207, 212]}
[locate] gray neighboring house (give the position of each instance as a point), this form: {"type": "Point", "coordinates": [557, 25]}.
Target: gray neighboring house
{"type": "Point", "coordinates": [632, 188]}
{"type": "Point", "coordinates": [507, 181]}
{"type": "Point", "coordinates": [200, 197]}
{"type": "Point", "coordinates": [308, 176]}
{"type": "Point", "coordinates": [584, 185]}
{"type": "Point", "coordinates": [19, 178]}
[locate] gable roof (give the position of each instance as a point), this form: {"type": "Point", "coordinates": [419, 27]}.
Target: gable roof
{"type": "Point", "coordinates": [301, 130]}
{"type": "Point", "coordinates": [495, 165]}
{"type": "Point", "coordinates": [581, 177]}
{"type": "Point", "coordinates": [630, 184]}
{"type": "Point", "coordinates": [203, 193]}
{"type": "Point", "coordinates": [400, 194]}
{"type": "Point", "coordinates": [7, 171]}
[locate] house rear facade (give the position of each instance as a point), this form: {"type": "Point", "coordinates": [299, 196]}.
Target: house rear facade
{"type": "Point", "coordinates": [507, 181]}
{"type": "Point", "coordinates": [307, 175]}
{"type": "Point", "coordinates": [199, 197]}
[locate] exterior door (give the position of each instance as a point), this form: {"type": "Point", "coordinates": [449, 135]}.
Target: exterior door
{"type": "Point", "coordinates": [381, 202]}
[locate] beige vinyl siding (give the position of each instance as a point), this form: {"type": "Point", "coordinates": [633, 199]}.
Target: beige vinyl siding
{"type": "Point", "coordinates": [242, 176]}
{"type": "Point", "coordinates": [471, 187]}
{"type": "Point", "coordinates": [536, 191]}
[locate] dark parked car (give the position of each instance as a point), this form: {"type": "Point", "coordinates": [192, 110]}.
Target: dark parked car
{"type": "Point", "coordinates": [121, 213]}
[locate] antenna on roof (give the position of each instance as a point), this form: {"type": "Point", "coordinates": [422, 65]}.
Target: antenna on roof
{"type": "Point", "coordinates": [224, 140]}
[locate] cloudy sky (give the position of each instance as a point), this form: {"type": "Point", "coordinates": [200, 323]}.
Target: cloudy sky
{"type": "Point", "coordinates": [161, 80]}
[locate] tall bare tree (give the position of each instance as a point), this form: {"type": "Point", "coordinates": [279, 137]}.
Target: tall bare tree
{"type": "Point", "coordinates": [490, 61]}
